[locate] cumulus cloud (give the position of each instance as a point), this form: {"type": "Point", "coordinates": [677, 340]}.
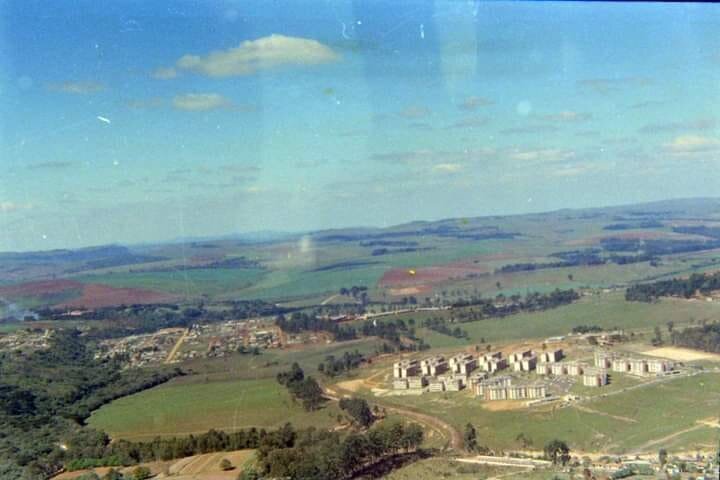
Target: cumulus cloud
{"type": "Point", "coordinates": [164, 73]}
{"type": "Point", "coordinates": [567, 116]}
{"type": "Point", "coordinates": [77, 88]}
{"type": "Point", "coordinates": [447, 168]}
{"type": "Point", "coordinates": [688, 144]}
{"type": "Point", "coordinates": [665, 127]}
{"type": "Point", "coordinates": [7, 207]}
{"type": "Point", "coordinates": [610, 85]}
{"type": "Point", "coordinates": [529, 130]}
{"type": "Point", "coordinates": [542, 154]}
{"type": "Point", "coordinates": [470, 123]}
{"type": "Point", "coordinates": [414, 111]}
{"type": "Point", "coordinates": [473, 103]}
{"type": "Point", "coordinates": [50, 165]}
{"type": "Point", "coordinates": [200, 102]}
{"type": "Point", "coordinates": [253, 56]}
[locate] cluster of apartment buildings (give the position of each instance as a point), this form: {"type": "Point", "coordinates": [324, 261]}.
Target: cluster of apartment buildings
{"type": "Point", "coordinates": [631, 365]}
{"type": "Point", "coordinates": [504, 388]}
{"type": "Point", "coordinates": [467, 371]}
{"type": "Point", "coordinates": [436, 372]}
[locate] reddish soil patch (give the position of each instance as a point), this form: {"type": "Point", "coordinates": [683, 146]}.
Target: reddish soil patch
{"type": "Point", "coordinates": [45, 287]}
{"type": "Point", "coordinates": [424, 276]}
{"type": "Point", "coordinates": [96, 296]}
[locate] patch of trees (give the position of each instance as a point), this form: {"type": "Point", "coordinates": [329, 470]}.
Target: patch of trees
{"type": "Point", "coordinates": [582, 329]}
{"type": "Point", "coordinates": [225, 263]}
{"type": "Point", "coordinates": [358, 410]}
{"type": "Point", "coordinates": [577, 259]}
{"type": "Point", "coordinates": [388, 251]}
{"type": "Point", "coordinates": [557, 452]}
{"type": "Point", "coordinates": [147, 318]}
{"type": "Point", "coordinates": [439, 325]}
{"type": "Point", "coordinates": [336, 366]}
{"type": "Point", "coordinates": [500, 306]}
{"type": "Point", "coordinates": [322, 455]}
{"type": "Point", "coordinates": [46, 395]}
{"type": "Point", "coordinates": [635, 225]}
{"type": "Point", "coordinates": [344, 265]}
{"type": "Point", "coordinates": [655, 247]}
{"type": "Point", "coordinates": [394, 332]}
{"type": "Point", "coordinates": [302, 322]}
{"type": "Point", "coordinates": [705, 231]}
{"type": "Point", "coordinates": [676, 287]}
{"type": "Point", "coordinates": [302, 388]}
{"type": "Point", "coordinates": [706, 337]}
{"type": "Point", "coordinates": [389, 243]}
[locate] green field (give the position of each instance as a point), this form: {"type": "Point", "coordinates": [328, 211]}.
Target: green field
{"type": "Point", "coordinates": [605, 310]}
{"type": "Point", "coordinates": [182, 407]}
{"type": "Point", "coordinates": [439, 467]}
{"type": "Point", "coordinates": [645, 417]}
{"type": "Point", "coordinates": [187, 283]}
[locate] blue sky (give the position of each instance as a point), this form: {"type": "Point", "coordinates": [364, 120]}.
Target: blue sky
{"type": "Point", "coordinates": [139, 121]}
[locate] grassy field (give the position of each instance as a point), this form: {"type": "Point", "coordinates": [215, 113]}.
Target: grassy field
{"type": "Point", "coordinates": [644, 419]}
{"type": "Point", "coordinates": [189, 283]}
{"type": "Point", "coordinates": [232, 392]}
{"type": "Point", "coordinates": [439, 467]}
{"type": "Point", "coordinates": [605, 310]}
{"type": "Point", "coordinates": [180, 408]}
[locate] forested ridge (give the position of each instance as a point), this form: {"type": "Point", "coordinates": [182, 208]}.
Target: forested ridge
{"type": "Point", "coordinates": [46, 395]}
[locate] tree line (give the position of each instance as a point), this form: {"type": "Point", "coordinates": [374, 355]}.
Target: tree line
{"type": "Point", "coordinates": [676, 287]}
{"type": "Point", "coordinates": [302, 388]}
{"type": "Point", "coordinates": [705, 337]}
{"type": "Point", "coordinates": [336, 366]}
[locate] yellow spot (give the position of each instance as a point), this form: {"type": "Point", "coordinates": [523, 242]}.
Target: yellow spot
{"type": "Point", "coordinates": [411, 272]}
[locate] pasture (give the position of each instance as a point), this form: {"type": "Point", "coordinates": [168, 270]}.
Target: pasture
{"type": "Point", "coordinates": [182, 408]}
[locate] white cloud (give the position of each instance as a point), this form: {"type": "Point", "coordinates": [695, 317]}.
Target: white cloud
{"type": "Point", "coordinates": [77, 88]}
{"type": "Point", "coordinates": [447, 167]}
{"type": "Point", "coordinates": [567, 116]}
{"type": "Point", "coordinates": [414, 111]}
{"type": "Point", "coordinates": [686, 144]}
{"type": "Point", "coordinates": [472, 103]}
{"type": "Point", "coordinates": [7, 207]}
{"type": "Point", "coordinates": [164, 73]}
{"type": "Point", "coordinates": [264, 53]}
{"type": "Point", "coordinates": [200, 102]}
{"type": "Point", "coordinates": [545, 154]}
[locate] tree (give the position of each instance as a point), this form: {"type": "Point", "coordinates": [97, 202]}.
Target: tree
{"type": "Point", "coordinates": [557, 451]}
{"type": "Point", "coordinates": [662, 456]}
{"type": "Point", "coordinates": [359, 410]}
{"type": "Point", "coordinates": [670, 326]}
{"type": "Point", "coordinates": [570, 277]}
{"type": "Point", "coordinates": [249, 474]}
{"type": "Point", "coordinates": [141, 473]}
{"type": "Point", "coordinates": [470, 438]}
{"type": "Point", "coordinates": [225, 465]}
{"type": "Point", "coordinates": [658, 336]}
{"type": "Point", "coordinates": [113, 474]}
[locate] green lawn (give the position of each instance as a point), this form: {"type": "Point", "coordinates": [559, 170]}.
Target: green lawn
{"type": "Point", "coordinates": [189, 283]}
{"type": "Point", "coordinates": [181, 407]}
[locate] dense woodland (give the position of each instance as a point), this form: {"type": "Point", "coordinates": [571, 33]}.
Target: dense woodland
{"type": "Point", "coordinates": [46, 395]}
{"type": "Point", "coordinates": [706, 337]}
{"type": "Point", "coordinates": [676, 287]}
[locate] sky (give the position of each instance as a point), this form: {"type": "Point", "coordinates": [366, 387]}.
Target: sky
{"type": "Point", "coordinates": [134, 121]}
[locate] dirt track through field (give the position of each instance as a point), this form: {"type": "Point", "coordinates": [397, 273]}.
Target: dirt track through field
{"type": "Point", "coordinates": [176, 347]}
{"type": "Point", "coordinates": [604, 414]}
{"type": "Point", "coordinates": [446, 430]}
